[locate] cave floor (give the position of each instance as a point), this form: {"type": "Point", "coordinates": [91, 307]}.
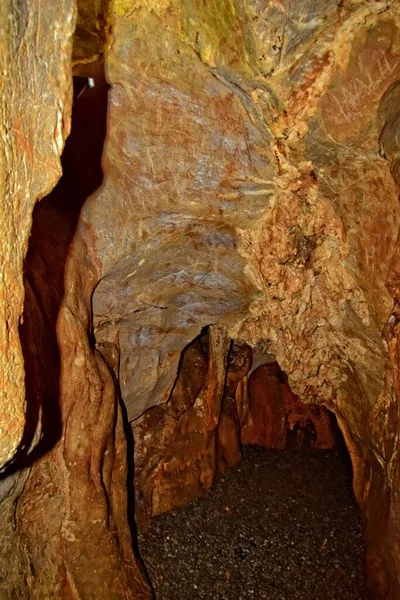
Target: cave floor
{"type": "Point", "coordinates": [282, 525]}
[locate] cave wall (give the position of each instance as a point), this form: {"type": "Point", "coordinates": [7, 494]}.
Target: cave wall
{"type": "Point", "coordinates": [64, 497]}
{"type": "Point", "coordinates": [36, 98]}
{"type": "Point", "coordinates": [249, 182]}
{"type": "Point", "coordinates": [276, 418]}
{"type": "Point", "coordinates": [218, 403]}
{"type": "Point", "coordinates": [36, 91]}
{"type": "Point", "coordinates": [176, 443]}
{"type": "Point", "coordinates": [248, 187]}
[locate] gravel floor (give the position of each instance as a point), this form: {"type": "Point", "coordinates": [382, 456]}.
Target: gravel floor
{"type": "Point", "coordinates": [283, 525]}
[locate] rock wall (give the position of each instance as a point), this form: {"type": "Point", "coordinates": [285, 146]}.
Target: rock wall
{"type": "Point", "coordinates": [35, 88]}
{"type": "Point", "coordinates": [64, 499]}
{"type": "Point", "coordinates": [326, 249]}
{"type": "Point", "coordinates": [277, 419]}
{"type": "Point", "coordinates": [182, 445]}
{"type": "Point", "coordinates": [176, 444]}
{"type": "Point", "coordinates": [249, 184]}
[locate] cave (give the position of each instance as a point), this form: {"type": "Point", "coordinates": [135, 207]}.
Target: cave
{"type": "Point", "coordinates": [200, 221]}
{"type": "Point", "coordinates": [226, 396]}
{"type": "Point", "coordinates": [254, 502]}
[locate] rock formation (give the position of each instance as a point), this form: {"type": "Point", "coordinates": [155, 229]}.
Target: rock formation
{"type": "Point", "coordinates": [182, 445]}
{"type": "Point", "coordinates": [277, 419]}
{"type": "Point", "coordinates": [176, 444]}
{"type": "Point", "coordinates": [35, 89]}
{"type": "Point", "coordinates": [249, 183]}
{"type": "Point", "coordinates": [64, 530]}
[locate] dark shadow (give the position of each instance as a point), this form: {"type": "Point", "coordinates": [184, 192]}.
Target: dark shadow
{"type": "Point", "coordinates": [55, 220]}
{"type": "Point", "coordinates": [130, 484]}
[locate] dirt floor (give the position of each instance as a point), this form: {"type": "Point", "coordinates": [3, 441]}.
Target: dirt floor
{"type": "Point", "coordinates": [282, 525]}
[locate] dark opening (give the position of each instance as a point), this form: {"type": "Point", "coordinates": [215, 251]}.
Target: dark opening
{"type": "Point", "coordinates": [55, 219]}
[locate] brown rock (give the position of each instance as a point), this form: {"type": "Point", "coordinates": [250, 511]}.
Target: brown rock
{"type": "Point", "coordinates": [176, 443]}
{"type": "Point", "coordinates": [35, 88]}
{"type": "Point", "coordinates": [172, 267]}
{"type": "Point", "coordinates": [228, 436]}
{"type": "Point", "coordinates": [267, 149]}
{"type": "Point", "coordinates": [250, 173]}
{"type": "Point", "coordinates": [171, 441]}
{"type": "Point", "coordinates": [239, 362]}
{"type": "Point", "coordinates": [65, 532]}
{"type": "Point", "coordinates": [277, 418]}
{"type": "Point", "coordinates": [182, 445]}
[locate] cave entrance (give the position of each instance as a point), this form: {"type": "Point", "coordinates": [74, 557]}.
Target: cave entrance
{"type": "Point", "coordinates": [278, 519]}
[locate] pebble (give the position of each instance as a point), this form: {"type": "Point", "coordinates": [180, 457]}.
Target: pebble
{"type": "Point", "coordinates": [292, 531]}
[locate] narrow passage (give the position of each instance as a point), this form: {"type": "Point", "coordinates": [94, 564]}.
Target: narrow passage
{"type": "Point", "coordinates": [282, 525]}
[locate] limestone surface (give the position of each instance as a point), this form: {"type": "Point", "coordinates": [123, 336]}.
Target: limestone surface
{"type": "Point", "coordinates": [35, 87]}
{"type": "Point", "coordinates": [277, 419]}
{"type": "Point", "coordinates": [249, 183]}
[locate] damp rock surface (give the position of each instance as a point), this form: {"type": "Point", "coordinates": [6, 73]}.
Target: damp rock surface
{"type": "Point", "coordinates": [282, 525]}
